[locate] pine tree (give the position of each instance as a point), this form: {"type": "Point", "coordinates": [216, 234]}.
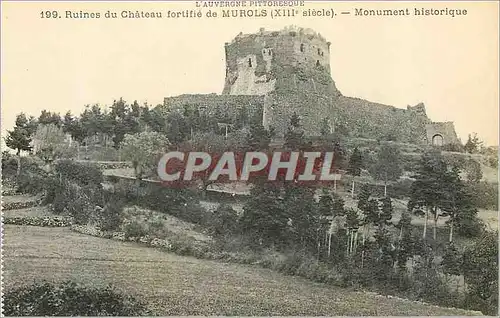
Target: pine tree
{"type": "Point", "coordinates": [48, 118]}
{"type": "Point", "coordinates": [355, 166]}
{"type": "Point", "coordinates": [294, 137]}
{"type": "Point", "coordinates": [428, 190]}
{"type": "Point", "coordinates": [352, 224]}
{"type": "Point", "coordinates": [457, 202]}
{"type": "Point", "coordinates": [264, 218]}
{"type": "Point", "coordinates": [473, 144]}
{"type": "Point", "coordinates": [259, 138]}
{"type": "Point", "coordinates": [388, 165]}
{"type": "Point", "coordinates": [405, 244]}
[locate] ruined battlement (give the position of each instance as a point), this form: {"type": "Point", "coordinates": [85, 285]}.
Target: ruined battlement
{"type": "Point", "coordinates": [259, 63]}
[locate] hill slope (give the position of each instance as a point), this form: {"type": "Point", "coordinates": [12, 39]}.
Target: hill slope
{"type": "Point", "coordinates": [177, 285]}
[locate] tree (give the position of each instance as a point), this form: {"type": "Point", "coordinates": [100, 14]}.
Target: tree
{"type": "Point", "coordinates": [352, 224]}
{"type": "Point", "coordinates": [123, 119]}
{"type": "Point", "coordinates": [48, 118]}
{"type": "Point", "coordinates": [153, 119]}
{"type": "Point", "coordinates": [452, 260]}
{"type": "Point", "coordinates": [355, 166]}
{"type": "Point", "coordinates": [473, 171]}
{"type": "Point", "coordinates": [384, 216]}
{"type": "Point", "coordinates": [480, 270]}
{"type": "Point", "coordinates": [325, 211]}
{"type": "Point", "coordinates": [210, 143]}
{"type": "Point", "coordinates": [259, 137]}
{"type": "Point", "coordinates": [294, 137]}
{"type": "Point", "coordinates": [143, 150]}
{"type": "Point", "coordinates": [49, 142]}
{"type": "Point", "coordinates": [369, 210]}
{"type": "Point", "coordinates": [264, 218]}
{"type": "Point", "coordinates": [177, 128]}
{"type": "Point", "coordinates": [388, 165]}
{"type": "Point", "coordinates": [225, 221]}
{"type": "Point", "coordinates": [428, 191]}
{"type": "Point", "coordinates": [72, 126]}
{"type": "Point", "coordinates": [338, 206]}
{"type": "Point", "coordinates": [405, 244]}
{"type": "Point", "coordinates": [301, 208]}
{"type": "Point", "coordinates": [19, 138]}
{"type": "Point", "coordinates": [457, 203]}
{"type": "Point", "coordinates": [473, 144]}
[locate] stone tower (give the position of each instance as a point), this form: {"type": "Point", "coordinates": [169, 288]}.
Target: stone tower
{"type": "Point", "coordinates": [291, 68]}
{"type": "Point", "coordinates": [266, 62]}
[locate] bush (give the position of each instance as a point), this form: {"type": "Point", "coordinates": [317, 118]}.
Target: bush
{"type": "Point", "coordinates": [78, 202]}
{"type": "Point", "coordinates": [224, 221]}
{"type": "Point", "coordinates": [9, 165]}
{"type": "Point", "coordinates": [480, 270]}
{"type": "Point", "coordinates": [81, 174]}
{"type": "Point", "coordinates": [69, 299]}
{"type": "Point", "coordinates": [111, 217]}
{"type": "Point", "coordinates": [470, 227]}
{"type": "Point", "coordinates": [38, 221]}
{"type": "Point", "coordinates": [18, 205]}
{"type": "Point", "coordinates": [485, 194]}
{"type": "Point", "coordinates": [35, 181]}
{"type": "Point", "coordinates": [134, 229]}
{"type": "Point", "coordinates": [453, 148]}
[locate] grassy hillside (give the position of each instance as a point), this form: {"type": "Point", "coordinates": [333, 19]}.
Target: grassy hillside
{"type": "Point", "coordinates": [177, 285]}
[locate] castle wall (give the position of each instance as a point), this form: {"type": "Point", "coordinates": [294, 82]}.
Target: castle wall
{"type": "Point", "coordinates": [358, 117]}
{"type": "Point", "coordinates": [441, 133]}
{"type": "Point", "coordinates": [229, 106]}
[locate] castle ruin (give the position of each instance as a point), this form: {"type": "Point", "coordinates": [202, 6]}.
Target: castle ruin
{"type": "Point", "coordinates": [275, 74]}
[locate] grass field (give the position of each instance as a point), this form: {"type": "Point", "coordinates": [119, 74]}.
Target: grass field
{"type": "Point", "coordinates": [38, 211]}
{"type": "Point", "coordinates": [177, 285]}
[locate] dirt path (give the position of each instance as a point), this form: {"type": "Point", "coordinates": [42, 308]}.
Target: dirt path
{"type": "Point", "coordinates": [177, 285]}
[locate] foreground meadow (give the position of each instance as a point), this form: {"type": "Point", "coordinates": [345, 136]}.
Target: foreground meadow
{"type": "Point", "coordinates": [179, 285]}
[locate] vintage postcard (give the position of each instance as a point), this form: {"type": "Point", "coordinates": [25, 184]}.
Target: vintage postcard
{"type": "Point", "coordinates": [249, 158]}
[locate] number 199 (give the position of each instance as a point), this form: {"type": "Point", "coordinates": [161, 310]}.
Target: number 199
{"type": "Point", "coordinates": [49, 14]}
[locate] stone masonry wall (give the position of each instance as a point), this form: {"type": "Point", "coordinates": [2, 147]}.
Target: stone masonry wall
{"type": "Point", "coordinates": [359, 117]}
{"type": "Point", "coordinates": [215, 105]}
{"type": "Point", "coordinates": [445, 130]}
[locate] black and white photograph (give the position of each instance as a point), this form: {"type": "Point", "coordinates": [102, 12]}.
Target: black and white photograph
{"type": "Point", "coordinates": [249, 158]}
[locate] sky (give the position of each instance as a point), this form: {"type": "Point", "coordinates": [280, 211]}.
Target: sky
{"type": "Point", "coordinates": [450, 64]}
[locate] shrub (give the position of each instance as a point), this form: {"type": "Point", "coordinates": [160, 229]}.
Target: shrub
{"type": "Point", "coordinates": [224, 220]}
{"type": "Point", "coordinates": [18, 205]}
{"type": "Point", "coordinates": [111, 217]}
{"type": "Point", "coordinates": [9, 165]}
{"type": "Point", "coordinates": [470, 227]}
{"type": "Point", "coordinates": [134, 229]}
{"type": "Point", "coordinates": [38, 221]}
{"type": "Point", "coordinates": [76, 201]}
{"type": "Point", "coordinates": [453, 148]}
{"type": "Point", "coordinates": [81, 174]}
{"type": "Point", "coordinates": [485, 194]}
{"type": "Point", "coordinates": [480, 269]}
{"type": "Point", "coordinates": [69, 299]}
{"type": "Point", "coordinates": [35, 181]}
